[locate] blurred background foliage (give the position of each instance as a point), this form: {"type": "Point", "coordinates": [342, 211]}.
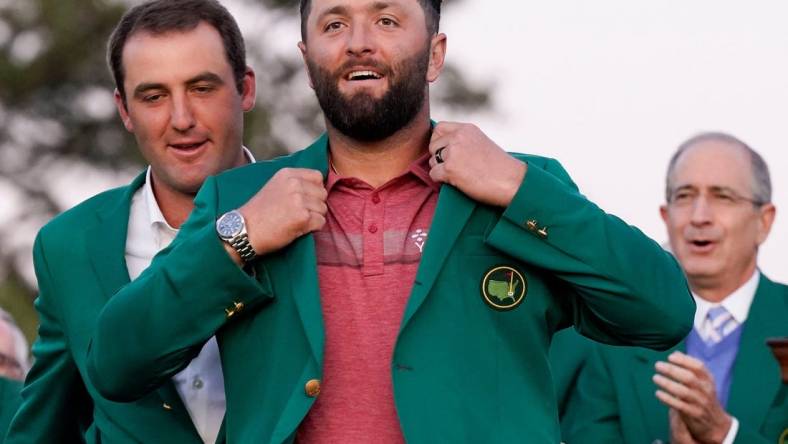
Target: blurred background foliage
{"type": "Point", "coordinates": [58, 126]}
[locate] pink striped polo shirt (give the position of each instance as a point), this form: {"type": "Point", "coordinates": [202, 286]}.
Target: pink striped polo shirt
{"type": "Point", "coordinates": [368, 254]}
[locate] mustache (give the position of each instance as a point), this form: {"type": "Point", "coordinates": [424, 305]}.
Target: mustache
{"type": "Point", "coordinates": [701, 233]}
{"type": "Point", "coordinates": [378, 66]}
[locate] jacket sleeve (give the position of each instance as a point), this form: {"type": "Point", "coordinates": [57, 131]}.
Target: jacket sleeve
{"type": "Point", "coordinates": [55, 402]}
{"type": "Point", "coordinates": [592, 413]}
{"type": "Point", "coordinates": [620, 286]}
{"type": "Point", "coordinates": [747, 435]}
{"type": "Point", "coordinates": [154, 326]}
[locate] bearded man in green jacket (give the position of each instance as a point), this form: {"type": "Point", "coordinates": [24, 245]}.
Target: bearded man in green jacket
{"type": "Point", "coordinates": [396, 280]}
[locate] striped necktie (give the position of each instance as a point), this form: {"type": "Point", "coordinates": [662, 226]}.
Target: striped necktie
{"type": "Point", "coordinates": [719, 323]}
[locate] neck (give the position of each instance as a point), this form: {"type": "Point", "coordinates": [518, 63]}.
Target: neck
{"type": "Point", "coordinates": [175, 205]}
{"type": "Point", "coordinates": [378, 162]}
{"type": "Point", "coordinates": [717, 290]}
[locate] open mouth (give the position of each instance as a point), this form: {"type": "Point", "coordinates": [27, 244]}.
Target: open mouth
{"type": "Point", "coordinates": [701, 246]}
{"type": "Point", "coordinates": [190, 146]}
{"type": "Point", "coordinates": [354, 76]}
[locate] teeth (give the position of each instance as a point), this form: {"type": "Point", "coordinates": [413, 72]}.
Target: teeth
{"type": "Point", "coordinates": [362, 74]}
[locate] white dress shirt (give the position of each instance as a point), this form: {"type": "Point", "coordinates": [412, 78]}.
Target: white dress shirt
{"type": "Point", "coordinates": [738, 305]}
{"type": "Point", "coordinates": [201, 383]}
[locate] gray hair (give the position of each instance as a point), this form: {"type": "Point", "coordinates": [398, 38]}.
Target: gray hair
{"type": "Point", "coordinates": [21, 347]}
{"type": "Point", "coordinates": [761, 181]}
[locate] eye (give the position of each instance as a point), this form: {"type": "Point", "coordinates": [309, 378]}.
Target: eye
{"type": "Point", "coordinates": [333, 26]}
{"type": "Point", "coordinates": [203, 89]}
{"type": "Point", "coordinates": [725, 197]}
{"type": "Point", "coordinates": [387, 22]}
{"type": "Point", "coordinates": [153, 98]}
{"type": "Point", "coordinates": [682, 196]}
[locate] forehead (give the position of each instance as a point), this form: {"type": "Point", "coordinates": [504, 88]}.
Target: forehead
{"type": "Point", "coordinates": [320, 7]}
{"type": "Point", "coordinates": [154, 57]}
{"type": "Point", "coordinates": [713, 163]}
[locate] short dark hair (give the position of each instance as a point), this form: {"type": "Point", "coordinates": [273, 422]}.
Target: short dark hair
{"type": "Point", "coordinates": [761, 180]}
{"type": "Point", "coordinates": [432, 14]}
{"type": "Point", "coordinates": [163, 16]}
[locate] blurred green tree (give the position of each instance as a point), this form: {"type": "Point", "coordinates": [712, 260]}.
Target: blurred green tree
{"type": "Point", "coordinates": [58, 125]}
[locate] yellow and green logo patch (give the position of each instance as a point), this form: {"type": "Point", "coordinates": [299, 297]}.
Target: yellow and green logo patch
{"type": "Point", "coordinates": [503, 288]}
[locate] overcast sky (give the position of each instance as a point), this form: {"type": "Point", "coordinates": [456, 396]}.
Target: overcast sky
{"type": "Point", "coordinates": [610, 88]}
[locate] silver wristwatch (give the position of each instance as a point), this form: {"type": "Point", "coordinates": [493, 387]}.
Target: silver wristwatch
{"type": "Point", "coordinates": [231, 228]}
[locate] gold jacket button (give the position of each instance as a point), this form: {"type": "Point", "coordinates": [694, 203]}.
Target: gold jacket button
{"type": "Point", "coordinates": [166, 406]}
{"type": "Point", "coordinates": [236, 308]}
{"type": "Point", "coordinates": [543, 232]}
{"type": "Point", "coordinates": [531, 224]}
{"type": "Point", "coordinates": [312, 388]}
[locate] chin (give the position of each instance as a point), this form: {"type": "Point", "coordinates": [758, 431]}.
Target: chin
{"type": "Point", "coordinates": [702, 272]}
{"type": "Point", "coordinates": [191, 186]}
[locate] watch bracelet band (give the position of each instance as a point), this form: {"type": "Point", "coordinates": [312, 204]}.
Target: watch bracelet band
{"type": "Point", "coordinates": [241, 245]}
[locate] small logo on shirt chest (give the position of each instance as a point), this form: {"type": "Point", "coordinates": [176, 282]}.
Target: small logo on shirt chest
{"type": "Point", "coordinates": [419, 237]}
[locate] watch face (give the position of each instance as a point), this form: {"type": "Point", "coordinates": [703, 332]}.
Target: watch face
{"type": "Point", "coordinates": [229, 225]}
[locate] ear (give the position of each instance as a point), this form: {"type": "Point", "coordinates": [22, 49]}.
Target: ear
{"type": "Point", "coordinates": [123, 112]}
{"type": "Point", "coordinates": [249, 94]}
{"type": "Point", "coordinates": [765, 220]}
{"type": "Point", "coordinates": [437, 56]}
{"type": "Point", "coordinates": [663, 212]}
{"type": "Point", "coordinates": [302, 48]}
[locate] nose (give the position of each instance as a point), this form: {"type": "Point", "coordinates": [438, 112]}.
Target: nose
{"type": "Point", "coordinates": [360, 41]}
{"type": "Point", "coordinates": [701, 212]}
{"type": "Point", "coordinates": [181, 118]}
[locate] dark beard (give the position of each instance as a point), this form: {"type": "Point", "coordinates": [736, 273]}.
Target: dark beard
{"type": "Point", "coordinates": [363, 117]}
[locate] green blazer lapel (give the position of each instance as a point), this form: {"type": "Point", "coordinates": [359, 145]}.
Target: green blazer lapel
{"type": "Point", "coordinates": [106, 240]}
{"type": "Point", "coordinates": [106, 246]}
{"type": "Point", "coordinates": [755, 380]}
{"type": "Point", "coordinates": [452, 212]}
{"type": "Point", "coordinates": [654, 413]}
{"type": "Point", "coordinates": [301, 256]}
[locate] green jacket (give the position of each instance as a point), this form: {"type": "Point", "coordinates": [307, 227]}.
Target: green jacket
{"type": "Point", "coordinates": [615, 399]}
{"type": "Point", "coordinates": [79, 260]}
{"type": "Point", "coordinates": [568, 354]}
{"type": "Point", "coordinates": [9, 402]}
{"type": "Point", "coordinates": [462, 372]}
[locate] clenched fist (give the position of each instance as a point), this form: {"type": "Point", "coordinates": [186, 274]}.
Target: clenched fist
{"type": "Point", "coordinates": [290, 205]}
{"type": "Point", "coordinates": [474, 164]}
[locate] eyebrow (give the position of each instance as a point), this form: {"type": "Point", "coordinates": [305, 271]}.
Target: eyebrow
{"type": "Point", "coordinates": [207, 76]}
{"type": "Point", "coordinates": [335, 10]}
{"type": "Point", "coordinates": [379, 6]}
{"type": "Point", "coordinates": [713, 188]}
{"type": "Point", "coordinates": [343, 10]}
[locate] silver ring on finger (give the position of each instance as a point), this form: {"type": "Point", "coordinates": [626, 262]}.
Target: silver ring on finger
{"type": "Point", "coordinates": [439, 155]}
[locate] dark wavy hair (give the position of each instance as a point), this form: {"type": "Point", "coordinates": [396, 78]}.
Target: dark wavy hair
{"type": "Point", "coordinates": [432, 12]}
{"type": "Point", "coordinates": [162, 16]}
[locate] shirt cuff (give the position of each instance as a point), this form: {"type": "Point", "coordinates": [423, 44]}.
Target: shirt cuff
{"type": "Point", "coordinates": [731, 436]}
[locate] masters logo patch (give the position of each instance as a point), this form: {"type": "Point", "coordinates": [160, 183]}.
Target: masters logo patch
{"type": "Point", "coordinates": [503, 288]}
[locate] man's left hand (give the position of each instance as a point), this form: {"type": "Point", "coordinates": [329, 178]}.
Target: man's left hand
{"type": "Point", "coordinates": [679, 433]}
{"type": "Point", "coordinates": [688, 387]}
{"type": "Point", "coordinates": [474, 164]}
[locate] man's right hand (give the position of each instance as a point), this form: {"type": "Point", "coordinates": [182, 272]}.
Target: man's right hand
{"type": "Point", "coordinates": [290, 205]}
